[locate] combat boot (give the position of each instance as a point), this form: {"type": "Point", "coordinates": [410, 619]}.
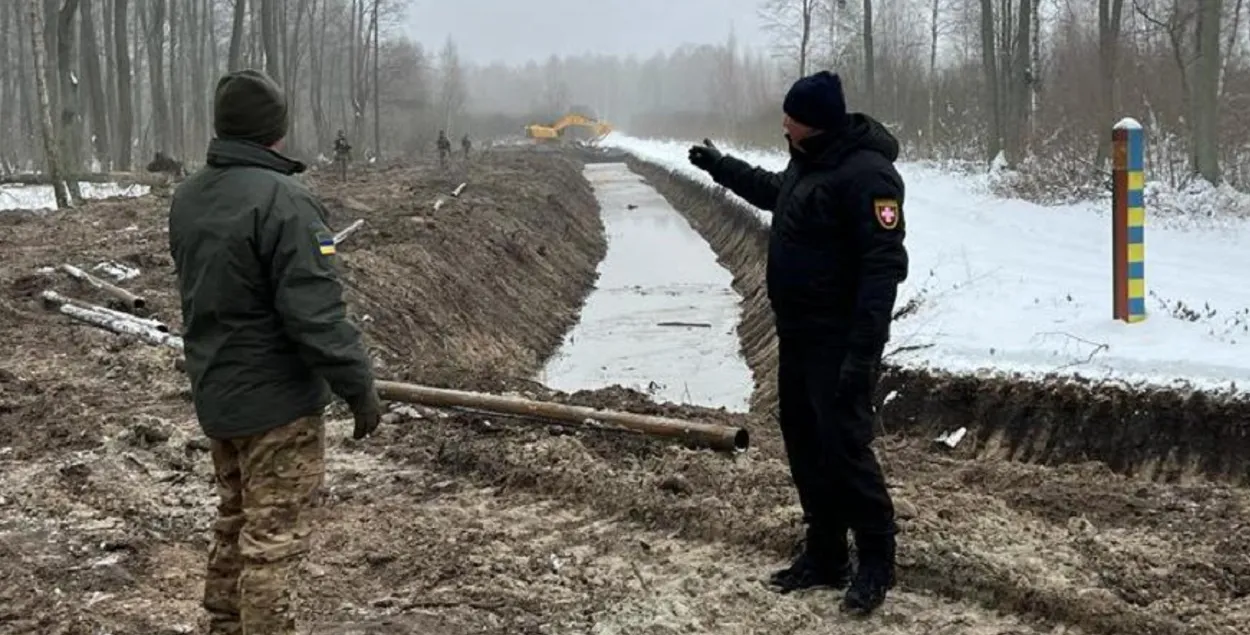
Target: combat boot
{"type": "Point", "coordinates": [874, 576]}
{"type": "Point", "coordinates": [824, 562]}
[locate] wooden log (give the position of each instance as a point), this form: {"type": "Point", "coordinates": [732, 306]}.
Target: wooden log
{"type": "Point", "coordinates": [124, 178]}
{"type": "Point", "coordinates": [709, 435]}
{"type": "Point", "coordinates": [127, 298]}
{"type": "Point", "coordinates": [121, 326]}
{"type": "Point", "coordinates": [55, 299]}
{"type": "Point", "coordinates": [459, 188]}
{"type": "Point", "coordinates": [348, 231]}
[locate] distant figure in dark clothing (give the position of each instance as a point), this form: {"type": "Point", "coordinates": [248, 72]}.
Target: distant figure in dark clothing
{"type": "Point", "coordinates": [342, 154]}
{"type": "Point", "coordinates": [466, 145]}
{"type": "Point", "coordinates": [444, 148]}
{"type": "Point", "coordinates": [835, 260]}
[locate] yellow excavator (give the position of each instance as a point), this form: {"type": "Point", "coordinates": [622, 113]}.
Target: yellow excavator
{"type": "Point", "coordinates": [571, 128]}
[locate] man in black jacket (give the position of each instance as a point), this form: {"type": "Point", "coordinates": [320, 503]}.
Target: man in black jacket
{"type": "Point", "coordinates": [835, 260]}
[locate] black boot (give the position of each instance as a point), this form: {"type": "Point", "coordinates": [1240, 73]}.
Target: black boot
{"type": "Point", "coordinates": [873, 578]}
{"type": "Point", "coordinates": [824, 562]}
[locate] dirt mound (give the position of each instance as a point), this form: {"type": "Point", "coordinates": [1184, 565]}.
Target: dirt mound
{"type": "Point", "coordinates": [1160, 433]}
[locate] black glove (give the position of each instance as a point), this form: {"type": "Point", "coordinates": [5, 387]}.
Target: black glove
{"type": "Point", "coordinates": [705, 156]}
{"type": "Point", "coordinates": [368, 414]}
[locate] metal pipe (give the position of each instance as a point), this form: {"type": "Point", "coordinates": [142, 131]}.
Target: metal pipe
{"type": "Point", "coordinates": [717, 437]}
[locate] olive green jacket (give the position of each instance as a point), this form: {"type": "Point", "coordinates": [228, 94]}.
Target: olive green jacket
{"type": "Point", "coordinates": [264, 323]}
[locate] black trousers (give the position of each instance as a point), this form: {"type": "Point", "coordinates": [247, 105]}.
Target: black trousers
{"type": "Point", "coordinates": [827, 435]}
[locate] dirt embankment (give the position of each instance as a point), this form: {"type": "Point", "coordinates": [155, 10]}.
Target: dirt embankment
{"type": "Point", "coordinates": [1160, 433]}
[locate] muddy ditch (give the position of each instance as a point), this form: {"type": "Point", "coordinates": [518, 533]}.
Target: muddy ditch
{"type": "Point", "coordinates": [1159, 433]}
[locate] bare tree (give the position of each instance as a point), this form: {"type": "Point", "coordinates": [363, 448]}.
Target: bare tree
{"type": "Point", "coordinates": [790, 21]}
{"type": "Point", "coordinates": [125, 109]}
{"type": "Point", "coordinates": [870, 67]}
{"type": "Point", "coordinates": [95, 83]}
{"type": "Point", "coordinates": [1206, 87]}
{"type": "Point", "coordinates": [55, 172]}
{"type": "Point", "coordinates": [236, 35]}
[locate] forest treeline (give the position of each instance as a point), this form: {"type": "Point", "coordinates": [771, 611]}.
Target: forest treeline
{"type": "Point", "coordinates": [1033, 85]}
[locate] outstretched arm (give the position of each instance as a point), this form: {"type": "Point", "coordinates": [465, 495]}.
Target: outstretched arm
{"type": "Point", "coordinates": [758, 186]}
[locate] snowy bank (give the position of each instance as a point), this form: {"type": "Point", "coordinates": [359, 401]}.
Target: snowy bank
{"type": "Point", "coordinates": [35, 197]}
{"type": "Point", "coordinates": [1007, 286]}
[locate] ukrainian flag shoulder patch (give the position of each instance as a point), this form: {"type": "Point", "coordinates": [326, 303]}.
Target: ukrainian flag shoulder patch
{"type": "Point", "coordinates": [325, 243]}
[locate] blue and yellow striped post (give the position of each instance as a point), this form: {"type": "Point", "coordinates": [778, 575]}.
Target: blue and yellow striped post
{"type": "Point", "coordinates": [1128, 221]}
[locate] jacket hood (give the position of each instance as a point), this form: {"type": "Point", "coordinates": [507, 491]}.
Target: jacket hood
{"type": "Point", "coordinates": [225, 153]}
{"type": "Point", "coordinates": [862, 133]}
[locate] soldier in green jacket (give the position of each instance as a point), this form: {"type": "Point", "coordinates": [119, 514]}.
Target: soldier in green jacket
{"type": "Point", "coordinates": [266, 339]}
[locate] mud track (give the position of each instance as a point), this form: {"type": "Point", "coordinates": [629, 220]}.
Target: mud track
{"type": "Point", "coordinates": [458, 523]}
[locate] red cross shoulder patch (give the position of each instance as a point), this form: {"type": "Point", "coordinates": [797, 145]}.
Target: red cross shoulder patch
{"type": "Point", "coordinates": [887, 213]}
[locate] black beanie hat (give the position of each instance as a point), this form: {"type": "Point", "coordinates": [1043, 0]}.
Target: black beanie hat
{"type": "Point", "coordinates": [817, 101]}
{"type": "Point", "coordinates": [248, 105]}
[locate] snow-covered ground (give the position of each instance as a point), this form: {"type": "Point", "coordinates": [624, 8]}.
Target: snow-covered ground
{"type": "Point", "coordinates": [42, 197]}
{"type": "Point", "coordinates": [1010, 286]}
{"type": "Point", "coordinates": [663, 316]}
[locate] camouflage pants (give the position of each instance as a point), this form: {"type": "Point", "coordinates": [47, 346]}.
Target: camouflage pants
{"type": "Point", "coordinates": [266, 483]}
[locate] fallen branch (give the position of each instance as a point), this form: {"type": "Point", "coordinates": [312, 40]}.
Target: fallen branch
{"type": "Point", "coordinates": [703, 325]}
{"type": "Point", "coordinates": [348, 231]}
{"type": "Point", "coordinates": [55, 299]}
{"type": "Point", "coordinates": [99, 177]}
{"type": "Point", "coordinates": [1098, 348]}
{"type": "Point", "coordinates": [129, 299]}
{"type": "Point", "coordinates": [714, 436]}
{"type": "Point", "coordinates": [122, 326]}
{"type": "Point", "coordinates": [459, 188]}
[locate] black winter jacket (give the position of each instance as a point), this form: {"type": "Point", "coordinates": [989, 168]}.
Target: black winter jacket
{"type": "Point", "coordinates": [836, 253]}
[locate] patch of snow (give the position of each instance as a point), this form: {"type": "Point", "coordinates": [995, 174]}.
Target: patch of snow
{"type": "Point", "coordinates": [37, 197]}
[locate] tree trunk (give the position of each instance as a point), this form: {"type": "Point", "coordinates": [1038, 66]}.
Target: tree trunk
{"type": "Point", "coordinates": [51, 153]}
{"type": "Point", "coordinates": [989, 66]}
{"type": "Point", "coordinates": [156, 77]}
{"type": "Point", "coordinates": [1019, 84]}
{"type": "Point", "coordinates": [236, 36]}
{"type": "Point", "coordinates": [198, 30]}
{"type": "Point", "coordinates": [176, 74]}
{"type": "Point", "coordinates": [9, 152]}
{"type": "Point", "coordinates": [95, 85]}
{"type": "Point", "coordinates": [70, 132]}
{"type": "Point", "coordinates": [269, 37]}
{"type": "Point", "coordinates": [805, 36]}
{"type": "Point", "coordinates": [1109, 21]}
{"type": "Point", "coordinates": [377, 107]}
{"type": "Point", "coordinates": [125, 109]}
{"type": "Point", "coordinates": [931, 131]}
{"type": "Point", "coordinates": [870, 66]}
{"type": "Point", "coordinates": [1206, 86]}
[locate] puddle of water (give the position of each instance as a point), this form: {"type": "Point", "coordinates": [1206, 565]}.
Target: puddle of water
{"type": "Point", "coordinates": [663, 316]}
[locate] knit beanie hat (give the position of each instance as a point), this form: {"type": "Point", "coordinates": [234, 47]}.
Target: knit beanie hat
{"type": "Point", "coordinates": [250, 106]}
{"type": "Point", "coordinates": [817, 101]}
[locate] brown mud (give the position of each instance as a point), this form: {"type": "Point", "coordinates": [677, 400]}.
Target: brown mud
{"type": "Point", "coordinates": [461, 523]}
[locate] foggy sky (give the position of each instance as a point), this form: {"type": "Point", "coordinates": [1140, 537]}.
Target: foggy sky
{"type": "Point", "coordinates": [515, 31]}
